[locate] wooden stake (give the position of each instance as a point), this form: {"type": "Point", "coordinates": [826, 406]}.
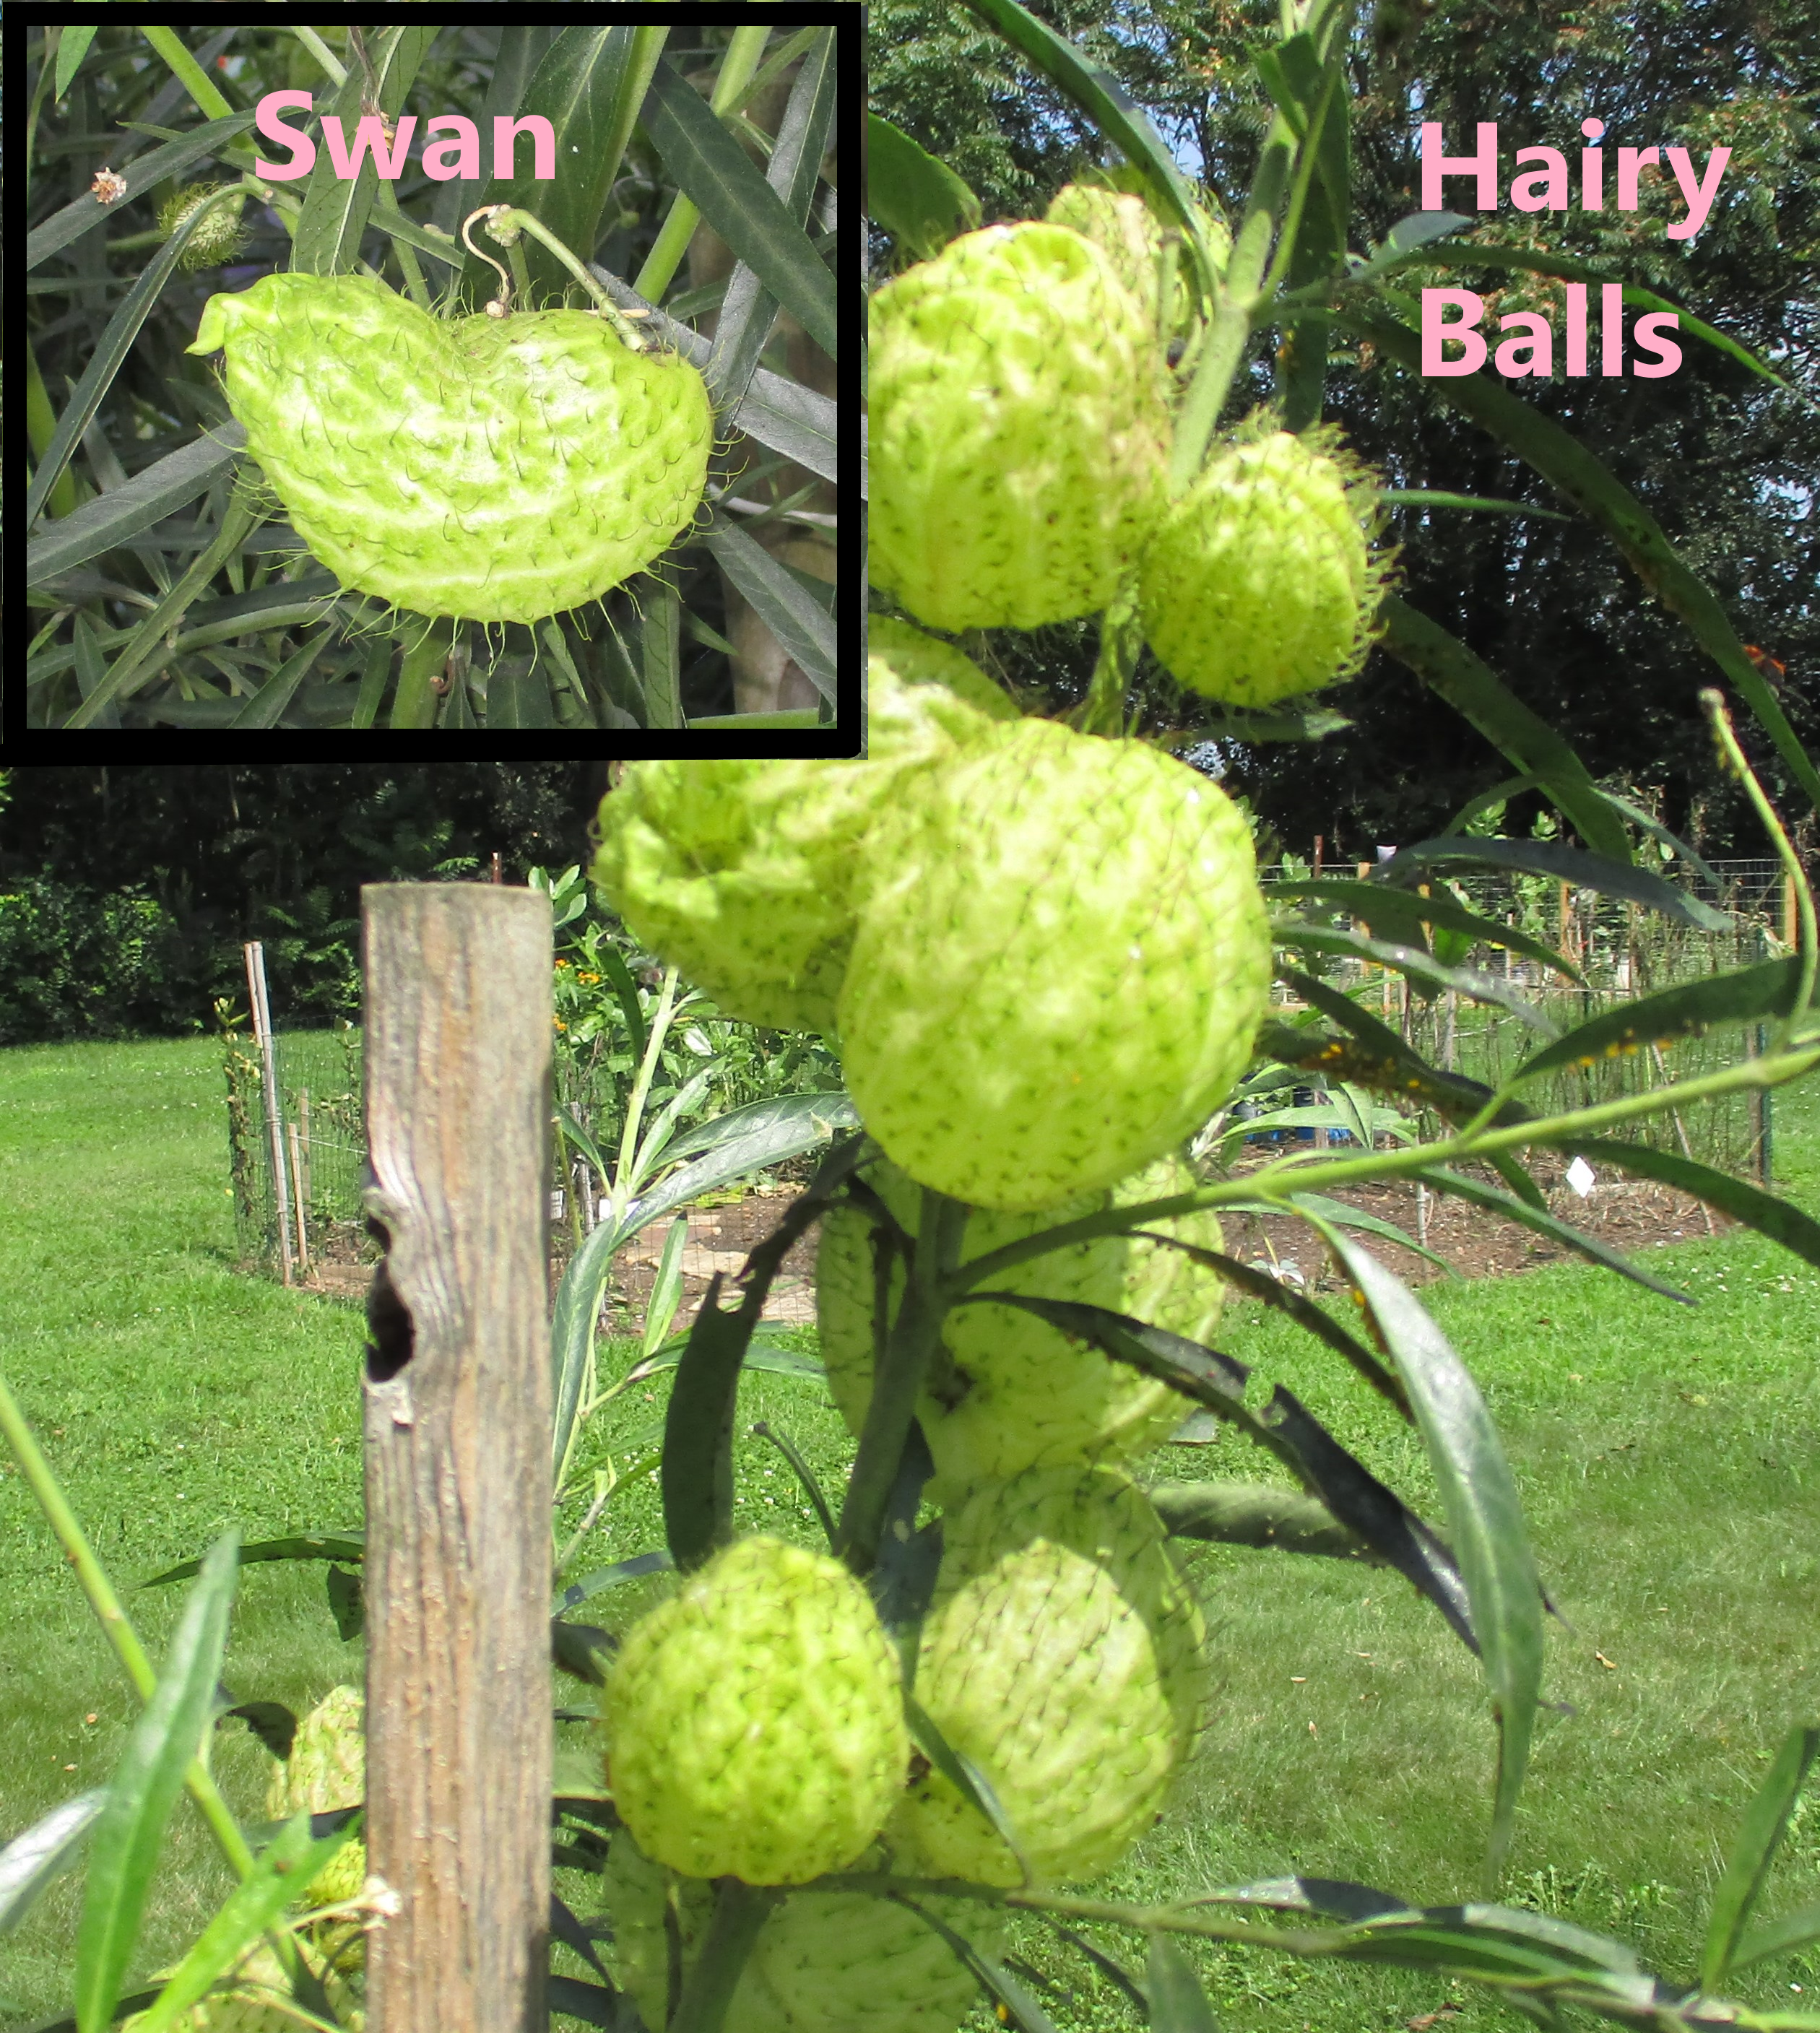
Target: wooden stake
{"type": "Point", "coordinates": [457, 1389]}
{"type": "Point", "coordinates": [255, 956]}
{"type": "Point", "coordinates": [297, 1197]}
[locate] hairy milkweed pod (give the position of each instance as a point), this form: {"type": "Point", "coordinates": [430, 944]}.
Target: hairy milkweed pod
{"type": "Point", "coordinates": [491, 469]}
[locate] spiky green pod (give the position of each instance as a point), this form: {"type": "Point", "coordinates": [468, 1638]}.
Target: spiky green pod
{"type": "Point", "coordinates": [327, 1769]}
{"type": "Point", "coordinates": [1130, 235]}
{"type": "Point", "coordinates": [1061, 960]}
{"type": "Point", "coordinates": [924, 694]}
{"type": "Point", "coordinates": [1008, 1392]}
{"type": "Point", "coordinates": [1261, 582]}
{"type": "Point", "coordinates": [1062, 1656]}
{"type": "Point", "coordinates": [740, 872]}
{"type": "Point", "coordinates": [754, 1723]}
{"type": "Point", "coordinates": [247, 2002]}
{"type": "Point", "coordinates": [220, 236]}
{"type": "Point", "coordinates": [824, 1962]}
{"type": "Point", "coordinates": [1017, 428]}
{"type": "Point", "coordinates": [496, 470]}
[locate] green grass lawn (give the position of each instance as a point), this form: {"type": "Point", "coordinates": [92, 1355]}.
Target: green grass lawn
{"type": "Point", "coordinates": [1668, 1459]}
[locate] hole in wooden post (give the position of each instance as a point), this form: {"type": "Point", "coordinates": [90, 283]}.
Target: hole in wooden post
{"type": "Point", "coordinates": [387, 1317]}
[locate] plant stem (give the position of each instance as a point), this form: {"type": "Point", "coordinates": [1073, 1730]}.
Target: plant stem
{"type": "Point", "coordinates": [1325, 1174]}
{"type": "Point", "coordinates": [116, 1625]}
{"type": "Point", "coordinates": [1732, 754]}
{"type": "Point", "coordinates": [740, 1910]}
{"type": "Point", "coordinates": [898, 1380]}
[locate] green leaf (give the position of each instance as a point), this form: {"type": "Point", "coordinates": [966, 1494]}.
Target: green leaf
{"type": "Point", "coordinates": [1769, 1216]}
{"type": "Point", "coordinates": [1019, 2009]}
{"type": "Point", "coordinates": [1371, 901]}
{"type": "Point", "coordinates": [144, 1789]}
{"type": "Point", "coordinates": [1113, 112]}
{"type": "Point", "coordinates": [915, 198]}
{"type": "Point", "coordinates": [625, 993]}
{"type": "Point", "coordinates": [1304, 1312]}
{"type": "Point", "coordinates": [1429, 497]}
{"type": "Point", "coordinates": [1564, 864]}
{"type": "Point", "coordinates": [1257, 1513]}
{"type": "Point", "coordinates": [1765, 1822]}
{"type": "Point", "coordinates": [305, 1546]}
{"type": "Point", "coordinates": [1798, 1930]}
{"type": "Point", "coordinates": [1484, 1519]}
{"type": "Point", "coordinates": [1177, 2003]}
{"type": "Point", "coordinates": [1560, 458]}
{"type": "Point", "coordinates": [667, 1291]}
{"type": "Point", "coordinates": [697, 1470]}
{"type": "Point", "coordinates": [800, 1468]}
{"type": "Point", "coordinates": [35, 1859]}
{"type": "Point", "coordinates": [290, 1861]}
{"type": "Point", "coordinates": [1413, 962]}
{"type": "Point", "coordinates": [802, 625]}
{"type": "Point", "coordinates": [1464, 1187]}
{"type": "Point", "coordinates": [1742, 997]}
{"type": "Point", "coordinates": [732, 195]}
{"type": "Point", "coordinates": [1480, 697]}
{"type": "Point", "coordinates": [1285, 1429]}
{"type": "Point", "coordinates": [963, 1775]}
{"type": "Point", "coordinates": [632, 1570]}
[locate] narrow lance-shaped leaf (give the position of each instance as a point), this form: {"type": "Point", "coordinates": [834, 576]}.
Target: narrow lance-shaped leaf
{"type": "Point", "coordinates": [1441, 1179]}
{"type": "Point", "coordinates": [1775, 1219]}
{"type": "Point", "coordinates": [913, 196]}
{"type": "Point", "coordinates": [1485, 1518]}
{"type": "Point", "coordinates": [1765, 1822]}
{"type": "Point", "coordinates": [34, 1859]}
{"type": "Point", "coordinates": [1480, 697]}
{"type": "Point", "coordinates": [1384, 908]}
{"type": "Point", "coordinates": [290, 1859]}
{"type": "Point", "coordinates": [1742, 997]}
{"type": "Point", "coordinates": [1414, 962]}
{"type": "Point", "coordinates": [1285, 1429]}
{"type": "Point", "coordinates": [130, 1828]}
{"type": "Point", "coordinates": [697, 1470]}
{"type": "Point", "coordinates": [1177, 2003]}
{"type": "Point", "coordinates": [1564, 864]}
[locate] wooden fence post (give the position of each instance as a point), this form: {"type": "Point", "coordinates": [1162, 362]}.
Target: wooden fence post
{"type": "Point", "coordinates": [457, 1579]}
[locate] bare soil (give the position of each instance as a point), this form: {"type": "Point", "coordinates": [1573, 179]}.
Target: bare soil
{"type": "Point", "coordinates": [1630, 1215]}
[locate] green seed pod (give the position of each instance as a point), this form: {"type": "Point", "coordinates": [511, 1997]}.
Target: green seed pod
{"type": "Point", "coordinates": [1008, 1392]}
{"type": "Point", "coordinates": [923, 695]}
{"type": "Point", "coordinates": [495, 470]}
{"type": "Point", "coordinates": [1060, 1656]}
{"type": "Point", "coordinates": [739, 872]}
{"type": "Point", "coordinates": [218, 239]}
{"type": "Point", "coordinates": [754, 1723]}
{"type": "Point", "coordinates": [327, 1769]}
{"type": "Point", "coordinates": [1061, 960]}
{"type": "Point", "coordinates": [824, 1962]}
{"type": "Point", "coordinates": [1261, 581]}
{"type": "Point", "coordinates": [1017, 425]}
{"type": "Point", "coordinates": [1130, 235]}
{"type": "Point", "coordinates": [246, 2002]}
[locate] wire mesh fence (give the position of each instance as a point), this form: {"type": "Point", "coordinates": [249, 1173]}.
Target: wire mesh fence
{"type": "Point", "coordinates": [1623, 950]}
{"type": "Point", "coordinates": [298, 1146]}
